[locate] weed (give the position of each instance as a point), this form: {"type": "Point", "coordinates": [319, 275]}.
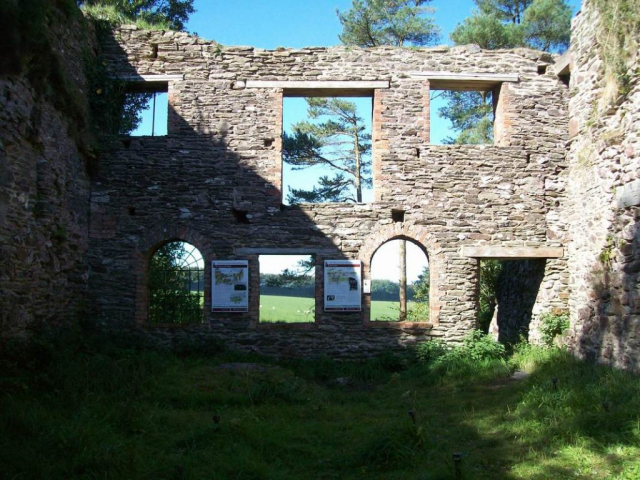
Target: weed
{"type": "Point", "coordinates": [552, 325]}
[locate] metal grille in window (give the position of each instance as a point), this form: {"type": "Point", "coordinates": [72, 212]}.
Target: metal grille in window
{"type": "Point", "coordinates": [176, 284]}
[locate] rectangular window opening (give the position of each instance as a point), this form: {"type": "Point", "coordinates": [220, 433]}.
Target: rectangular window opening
{"type": "Point", "coordinates": [287, 288]}
{"type": "Point", "coordinates": [326, 149]}
{"type": "Point", "coordinates": [462, 117]}
{"type": "Point", "coordinates": [145, 112]}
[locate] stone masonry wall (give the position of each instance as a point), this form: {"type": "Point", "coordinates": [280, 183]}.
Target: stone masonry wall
{"type": "Point", "coordinates": [44, 196]}
{"type": "Point", "coordinates": [222, 152]}
{"type": "Point", "coordinates": [603, 210]}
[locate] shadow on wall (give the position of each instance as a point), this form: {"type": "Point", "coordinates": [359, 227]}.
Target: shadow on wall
{"type": "Point", "coordinates": [212, 182]}
{"type": "Point", "coordinates": [608, 329]}
{"type": "Point", "coordinates": [516, 293]}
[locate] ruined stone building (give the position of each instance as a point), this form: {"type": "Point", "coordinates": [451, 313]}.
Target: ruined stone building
{"type": "Point", "coordinates": [551, 194]}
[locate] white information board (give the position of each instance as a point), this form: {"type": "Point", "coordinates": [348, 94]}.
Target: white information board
{"type": "Point", "coordinates": [230, 286]}
{"type": "Point", "coordinates": [342, 285]}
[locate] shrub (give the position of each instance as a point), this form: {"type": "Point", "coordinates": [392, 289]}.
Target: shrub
{"type": "Point", "coordinates": [479, 346]}
{"type": "Point", "coordinates": [553, 325]}
{"type": "Point", "coordinates": [431, 351]}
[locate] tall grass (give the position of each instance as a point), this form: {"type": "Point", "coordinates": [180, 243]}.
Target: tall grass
{"type": "Point", "coordinates": [95, 408]}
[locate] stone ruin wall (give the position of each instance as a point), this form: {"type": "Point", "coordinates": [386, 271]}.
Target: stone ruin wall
{"type": "Point", "coordinates": [44, 197]}
{"type": "Point", "coordinates": [603, 185]}
{"type": "Point", "coordinates": [223, 153]}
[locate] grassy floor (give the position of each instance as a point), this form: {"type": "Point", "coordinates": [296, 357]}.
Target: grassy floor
{"type": "Point", "coordinates": [97, 411]}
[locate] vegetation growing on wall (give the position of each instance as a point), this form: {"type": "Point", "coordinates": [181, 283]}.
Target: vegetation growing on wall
{"type": "Point", "coordinates": [618, 39]}
{"type": "Point", "coordinates": [147, 14]}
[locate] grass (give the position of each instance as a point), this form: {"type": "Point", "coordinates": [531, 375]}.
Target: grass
{"type": "Point", "coordinates": [96, 410]}
{"type": "Point", "coordinates": [281, 309]}
{"type": "Point", "coordinates": [387, 310]}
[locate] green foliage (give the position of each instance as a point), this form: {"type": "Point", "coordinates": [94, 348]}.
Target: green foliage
{"type": "Point", "coordinates": [488, 31]}
{"type": "Point", "coordinates": [606, 255]}
{"type": "Point", "coordinates": [470, 114]}
{"type": "Point", "coordinates": [547, 25]}
{"type": "Point", "coordinates": [552, 325]}
{"type": "Point", "coordinates": [371, 23]}
{"type": "Point", "coordinates": [619, 31]}
{"type": "Point", "coordinates": [489, 277]}
{"type": "Point", "coordinates": [165, 14]}
{"type": "Point", "coordinates": [543, 24]}
{"type": "Point", "coordinates": [419, 293]}
{"type": "Point", "coordinates": [475, 347]}
{"type": "Point", "coordinates": [175, 287]}
{"type": "Point", "coordinates": [339, 142]}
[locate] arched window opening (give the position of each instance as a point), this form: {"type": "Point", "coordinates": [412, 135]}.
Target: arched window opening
{"type": "Point", "coordinates": [400, 283]}
{"type": "Point", "coordinates": [176, 284]}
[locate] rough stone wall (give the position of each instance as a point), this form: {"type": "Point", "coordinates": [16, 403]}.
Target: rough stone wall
{"type": "Point", "coordinates": [44, 196]}
{"type": "Point", "coordinates": [222, 152]}
{"type": "Point", "coordinates": [604, 247]}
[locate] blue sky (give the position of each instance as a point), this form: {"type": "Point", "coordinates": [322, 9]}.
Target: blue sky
{"type": "Point", "coordinates": [299, 23]}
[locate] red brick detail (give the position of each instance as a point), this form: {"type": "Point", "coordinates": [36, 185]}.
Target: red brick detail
{"type": "Point", "coordinates": [149, 244]}
{"type": "Point", "coordinates": [276, 178]}
{"type": "Point", "coordinates": [379, 144]}
{"type": "Point", "coordinates": [502, 123]}
{"type": "Point", "coordinates": [426, 241]}
{"type": "Point", "coordinates": [426, 95]}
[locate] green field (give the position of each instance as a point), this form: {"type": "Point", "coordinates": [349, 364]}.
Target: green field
{"type": "Point", "coordinates": [281, 309]}
{"type": "Point", "coordinates": [386, 310]}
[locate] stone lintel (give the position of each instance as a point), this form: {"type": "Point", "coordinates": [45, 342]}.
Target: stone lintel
{"type": "Point", "coordinates": [465, 80]}
{"type": "Point", "coordinates": [284, 251]}
{"type": "Point", "coordinates": [563, 64]}
{"type": "Point", "coordinates": [321, 88]}
{"type": "Point", "coordinates": [506, 253]}
{"type": "Point", "coordinates": [151, 78]}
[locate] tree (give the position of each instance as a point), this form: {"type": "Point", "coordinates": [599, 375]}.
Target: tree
{"type": "Point", "coordinates": [370, 23]}
{"type": "Point", "coordinates": [176, 285]}
{"type": "Point", "coordinates": [339, 142]}
{"type": "Point", "coordinates": [543, 24]}
{"type": "Point", "coordinates": [470, 115]}
{"type": "Point", "coordinates": [419, 312]}
{"type": "Point", "coordinates": [547, 25]}
{"type": "Point", "coordinates": [174, 12]}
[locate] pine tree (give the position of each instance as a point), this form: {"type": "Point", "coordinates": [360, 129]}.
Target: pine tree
{"type": "Point", "coordinates": [339, 142]}
{"type": "Point", "coordinates": [370, 23]}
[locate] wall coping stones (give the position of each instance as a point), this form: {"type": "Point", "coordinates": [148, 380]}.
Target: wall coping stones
{"type": "Point", "coordinates": [151, 78]}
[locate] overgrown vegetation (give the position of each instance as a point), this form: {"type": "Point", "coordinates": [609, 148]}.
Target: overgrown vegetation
{"type": "Point", "coordinates": [619, 31]}
{"type": "Point", "coordinates": [552, 325]}
{"type": "Point", "coordinates": [94, 407]}
{"type": "Point", "coordinates": [146, 14]}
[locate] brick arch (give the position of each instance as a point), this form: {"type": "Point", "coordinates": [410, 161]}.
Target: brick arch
{"type": "Point", "coordinates": [423, 239]}
{"type": "Point", "coordinates": [150, 242]}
